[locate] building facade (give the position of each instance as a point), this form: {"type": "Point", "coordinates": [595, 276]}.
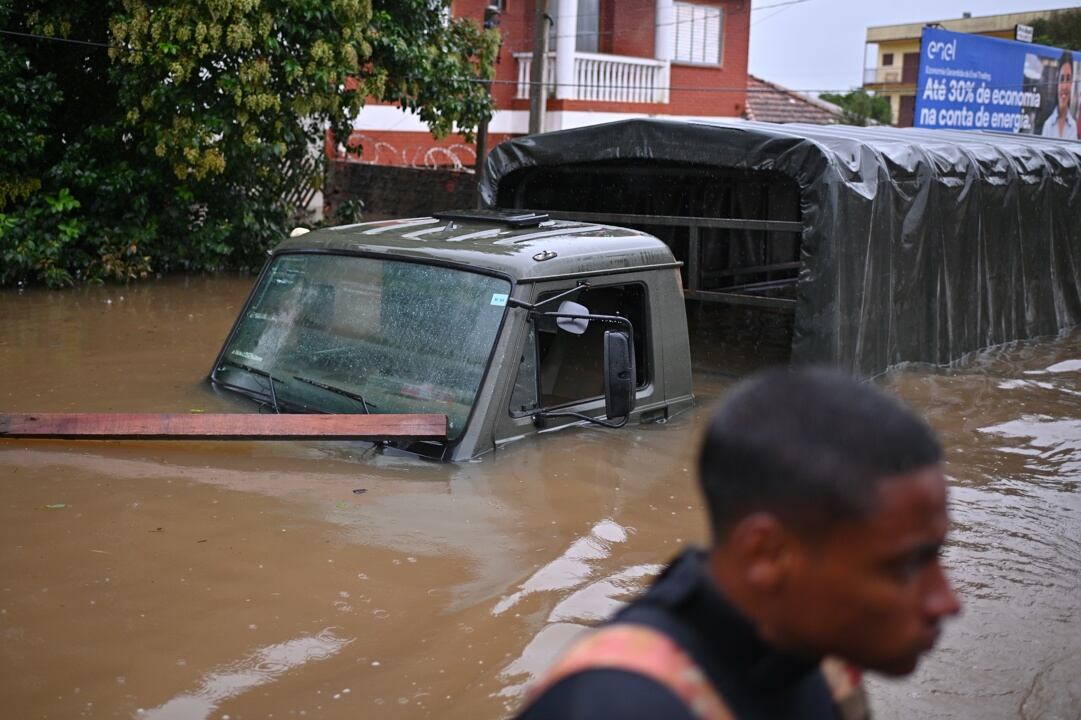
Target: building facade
{"type": "Point", "coordinates": [893, 52]}
{"type": "Point", "coordinates": [607, 60]}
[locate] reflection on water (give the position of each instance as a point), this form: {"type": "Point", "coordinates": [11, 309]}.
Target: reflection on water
{"type": "Point", "coordinates": [259, 668]}
{"type": "Point", "coordinates": [581, 600]}
{"type": "Point", "coordinates": [572, 567]}
{"type": "Point", "coordinates": [601, 598]}
{"type": "Point", "coordinates": [577, 612]}
{"type": "Point", "coordinates": [1053, 445]}
{"type": "Point", "coordinates": [459, 583]}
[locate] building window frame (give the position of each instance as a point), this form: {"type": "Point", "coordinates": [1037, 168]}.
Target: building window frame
{"type": "Point", "coordinates": [699, 34]}
{"type": "Point", "coordinates": [588, 31]}
{"type": "Point", "coordinates": [887, 59]}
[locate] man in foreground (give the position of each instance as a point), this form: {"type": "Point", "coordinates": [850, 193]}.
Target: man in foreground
{"type": "Point", "coordinates": [827, 503]}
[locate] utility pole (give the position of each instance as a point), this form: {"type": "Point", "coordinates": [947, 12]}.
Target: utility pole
{"type": "Point", "coordinates": [538, 93]}
{"type": "Point", "coordinates": [491, 22]}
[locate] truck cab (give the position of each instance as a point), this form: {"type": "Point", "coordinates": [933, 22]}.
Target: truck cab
{"type": "Point", "coordinates": [509, 323]}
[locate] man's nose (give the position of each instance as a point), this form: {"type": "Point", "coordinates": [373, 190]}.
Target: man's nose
{"type": "Point", "coordinates": [940, 600]}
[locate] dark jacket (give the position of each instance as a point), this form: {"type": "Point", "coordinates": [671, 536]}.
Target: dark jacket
{"type": "Point", "coordinates": [755, 680]}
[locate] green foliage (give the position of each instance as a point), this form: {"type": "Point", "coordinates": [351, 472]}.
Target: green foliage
{"type": "Point", "coordinates": [859, 106]}
{"type": "Point", "coordinates": [169, 149]}
{"type": "Point", "coordinates": [420, 68]}
{"type": "Point", "coordinates": [24, 110]}
{"type": "Point", "coordinates": [348, 212]}
{"type": "Point", "coordinates": [1062, 30]}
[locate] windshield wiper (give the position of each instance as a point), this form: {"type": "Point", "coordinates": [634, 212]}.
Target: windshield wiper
{"type": "Point", "coordinates": [338, 391]}
{"type": "Point", "coordinates": [260, 373]}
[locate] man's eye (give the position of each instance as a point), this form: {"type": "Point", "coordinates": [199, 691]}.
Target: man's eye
{"type": "Point", "coordinates": [904, 569]}
{"type": "Point", "coordinates": [908, 566]}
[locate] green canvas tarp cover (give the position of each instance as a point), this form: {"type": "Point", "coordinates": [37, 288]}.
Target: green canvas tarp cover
{"type": "Point", "coordinates": [916, 245]}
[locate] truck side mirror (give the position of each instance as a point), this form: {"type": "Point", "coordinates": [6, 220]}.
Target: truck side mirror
{"type": "Point", "coordinates": [620, 377]}
{"type": "Point", "coordinates": [574, 325]}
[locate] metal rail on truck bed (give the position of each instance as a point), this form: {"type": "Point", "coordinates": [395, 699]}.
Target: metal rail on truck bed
{"type": "Point", "coordinates": [740, 294]}
{"type": "Point", "coordinates": [221, 426]}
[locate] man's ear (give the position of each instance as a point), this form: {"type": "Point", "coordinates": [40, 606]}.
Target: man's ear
{"type": "Point", "coordinates": [765, 548]}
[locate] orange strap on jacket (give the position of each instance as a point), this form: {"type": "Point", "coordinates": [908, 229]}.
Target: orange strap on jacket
{"type": "Point", "coordinates": [846, 685]}
{"type": "Point", "coordinates": [644, 651]}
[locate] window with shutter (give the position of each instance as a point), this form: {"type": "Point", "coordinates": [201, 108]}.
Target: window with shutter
{"type": "Point", "coordinates": [698, 33]}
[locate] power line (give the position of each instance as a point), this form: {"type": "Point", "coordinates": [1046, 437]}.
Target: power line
{"type": "Point", "coordinates": [783, 5]}
{"type": "Point", "coordinates": [109, 46]}
{"type": "Point", "coordinates": [554, 19]}
{"type": "Point", "coordinates": [729, 89]}
{"type": "Point", "coordinates": [550, 84]}
{"type": "Point", "coordinates": [53, 38]}
{"type": "Point", "coordinates": [780, 4]}
{"type": "Point", "coordinates": [734, 12]}
{"type": "Point", "coordinates": [527, 34]}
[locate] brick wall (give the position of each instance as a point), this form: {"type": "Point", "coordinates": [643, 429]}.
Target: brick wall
{"type": "Point", "coordinates": [717, 89]}
{"type": "Point", "coordinates": [516, 27]}
{"type": "Point", "coordinates": [631, 23]}
{"type": "Point", "coordinates": [397, 191]}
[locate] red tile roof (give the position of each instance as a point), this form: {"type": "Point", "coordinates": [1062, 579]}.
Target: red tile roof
{"type": "Point", "coordinates": [769, 102]}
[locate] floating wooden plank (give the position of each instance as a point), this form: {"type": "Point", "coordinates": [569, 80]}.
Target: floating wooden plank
{"type": "Point", "coordinates": [221, 426]}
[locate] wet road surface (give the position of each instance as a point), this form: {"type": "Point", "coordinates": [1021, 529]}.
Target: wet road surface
{"type": "Point", "coordinates": [197, 580]}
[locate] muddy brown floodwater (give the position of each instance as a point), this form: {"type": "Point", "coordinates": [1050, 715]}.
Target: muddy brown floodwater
{"type": "Point", "coordinates": [198, 580]}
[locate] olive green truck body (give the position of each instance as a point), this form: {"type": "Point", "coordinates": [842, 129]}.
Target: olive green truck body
{"type": "Point", "coordinates": [498, 320]}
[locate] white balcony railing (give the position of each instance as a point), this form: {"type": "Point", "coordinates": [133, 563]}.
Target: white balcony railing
{"type": "Point", "coordinates": [881, 75]}
{"type": "Point", "coordinates": [604, 78]}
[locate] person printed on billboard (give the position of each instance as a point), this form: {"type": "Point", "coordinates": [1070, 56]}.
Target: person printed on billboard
{"type": "Point", "coordinates": [1060, 124]}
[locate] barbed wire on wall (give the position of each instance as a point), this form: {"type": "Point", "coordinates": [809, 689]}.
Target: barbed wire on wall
{"type": "Point", "coordinates": [459, 156]}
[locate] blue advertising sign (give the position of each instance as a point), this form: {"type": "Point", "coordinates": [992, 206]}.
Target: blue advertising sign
{"type": "Point", "coordinates": [974, 82]}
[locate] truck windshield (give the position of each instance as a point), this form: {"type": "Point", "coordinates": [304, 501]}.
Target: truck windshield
{"type": "Point", "coordinates": [350, 334]}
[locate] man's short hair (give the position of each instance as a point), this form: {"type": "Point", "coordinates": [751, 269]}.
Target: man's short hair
{"type": "Point", "coordinates": [1066, 58]}
{"type": "Point", "coordinates": [808, 446]}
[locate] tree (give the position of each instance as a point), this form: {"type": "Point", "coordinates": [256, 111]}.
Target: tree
{"type": "Point", "coordinates": [161, 144]}
{"type": "Point", "coordinates": [1061, 30]}
{"type": "Point", "coordinates": [859, 106]}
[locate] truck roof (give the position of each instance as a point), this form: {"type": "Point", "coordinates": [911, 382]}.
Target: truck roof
{"type": "Point", "coordinates": [542, 249]}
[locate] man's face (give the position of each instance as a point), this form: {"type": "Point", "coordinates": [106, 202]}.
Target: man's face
{"type": "Point", "coordinates": [873, 591]}
{"type": "Point", "coordinates": [1065, 85]}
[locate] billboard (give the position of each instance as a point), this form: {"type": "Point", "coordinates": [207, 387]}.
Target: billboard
{"type": "Point", "coordinates": [973, 82]}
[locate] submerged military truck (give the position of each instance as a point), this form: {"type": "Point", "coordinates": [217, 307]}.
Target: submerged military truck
{"type": "Point", "coordinates": [877, 246]}
{"type": "Point", "coordinates": [508, 323]}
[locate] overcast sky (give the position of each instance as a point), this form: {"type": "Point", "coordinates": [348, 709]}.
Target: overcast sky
{"type": "Point", "coordinates": [819, 44]}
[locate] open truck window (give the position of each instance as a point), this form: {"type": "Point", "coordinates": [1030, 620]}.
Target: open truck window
{"type": "Point", "coordinates": [559, 368]}
{"type": "Point", "coordinates": [346, 334]}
